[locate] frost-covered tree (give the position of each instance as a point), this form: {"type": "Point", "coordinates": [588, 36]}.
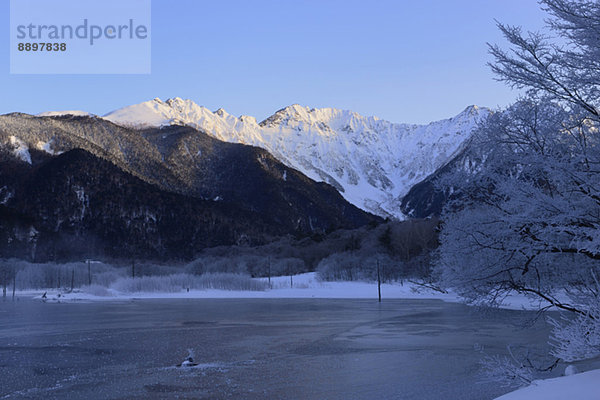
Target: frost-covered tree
{"type": "Point", "coordinates": [564, 63]}
{"type": "Point", "coordinates": [6, 276]}
{"type": "Point", "coordinates": [578, 338]}
{"type": "Point", "coordinates": [527, 219]}
{"type": "Point", "coordinates": [527, 214]}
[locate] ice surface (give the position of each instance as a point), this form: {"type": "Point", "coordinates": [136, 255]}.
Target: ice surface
{"type": "Point", "coordinates": [253, 349]}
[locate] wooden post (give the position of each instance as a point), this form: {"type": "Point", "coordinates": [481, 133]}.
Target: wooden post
{"type": "Point", "coordinates": [89, 273]}
{"type": "Point", "coordinates": [269, 267]}
{"type": "Point", "coordinates": [14, 283]}
{"type": "Point", "coordinates": [133, 268]}
{"type": "Point", "coordinates": [4, 278]}
{"type": "Point", "coordinates": [291, 281]}
{"type": "Point", "coordinates": [378, 281]}
{"type": "Point", "coordinates": [72, 279]}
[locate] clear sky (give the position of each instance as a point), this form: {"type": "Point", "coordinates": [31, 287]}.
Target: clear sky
{"type": "Point", "coordinates": [401, 60]}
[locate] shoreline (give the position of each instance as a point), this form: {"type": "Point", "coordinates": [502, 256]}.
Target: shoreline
{"type": "Point", "coordinates": [305, 286]}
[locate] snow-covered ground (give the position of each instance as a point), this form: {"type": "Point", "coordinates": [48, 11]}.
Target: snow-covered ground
{"type": "Point", "coordinates": [299, 286]}
{"type": "Point", "coordinates": [583, 386]}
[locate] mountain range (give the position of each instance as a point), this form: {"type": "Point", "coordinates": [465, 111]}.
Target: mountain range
{"type": "Point", "coordinates": [373, 163]}
{"type": "Point", "coordinates": [167, 179]}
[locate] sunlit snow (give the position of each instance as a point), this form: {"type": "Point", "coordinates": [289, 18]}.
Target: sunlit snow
{"type": "Point", "coordinates": [372, 162]}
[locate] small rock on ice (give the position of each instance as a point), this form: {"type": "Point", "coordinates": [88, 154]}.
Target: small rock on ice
{"type": "Point", "coordinates": [571, 370]}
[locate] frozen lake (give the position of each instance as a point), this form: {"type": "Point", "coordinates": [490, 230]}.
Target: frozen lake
{"type": "Point", "coordinates": [253, 349]}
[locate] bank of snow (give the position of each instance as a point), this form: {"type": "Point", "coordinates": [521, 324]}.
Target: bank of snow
{"type": "Point", "coordinates": [298, 286]}
{"type": "Point", "coordinates": [583, 386]}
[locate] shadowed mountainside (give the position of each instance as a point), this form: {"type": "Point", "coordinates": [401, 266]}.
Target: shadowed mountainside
{"type": "Point", "coordinates": [81, 186]}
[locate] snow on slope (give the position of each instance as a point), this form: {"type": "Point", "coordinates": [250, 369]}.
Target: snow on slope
{"type": "Point", "coordinates": [76, 113]}
{"type": "Point", "coordinates": [20, 149]}
{"type": "Point", "coordinates": [372, 162]}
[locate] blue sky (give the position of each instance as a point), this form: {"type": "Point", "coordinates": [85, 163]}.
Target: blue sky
{"type": "Point", "coordinates": [404, 61]}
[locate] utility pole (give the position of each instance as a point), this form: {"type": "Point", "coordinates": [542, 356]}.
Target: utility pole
{"type": "Point", "coordinates": [269, 268]}
{"type": "Point", "coordinates": [378, 281]}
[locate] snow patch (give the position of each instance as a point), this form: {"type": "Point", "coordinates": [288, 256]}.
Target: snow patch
{"type": "Point", "coordinates": [47, 147]}
{"type": "Point", "coordinates": [20, 149]}
{"type": "Point", "coordinates": [5, 195]}
{"type": "Point", "coordinates": [583, 386]}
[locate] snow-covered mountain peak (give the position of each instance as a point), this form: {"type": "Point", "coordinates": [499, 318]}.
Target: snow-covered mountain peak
{"type": "Point", "coordinates": [248, 119]}
{"type": "Point", "coordinates": [306, 114]}
{"type": "Point", "coordinates": [222, 113]}
{"type": "Point", "coordinates": [75, 113]}
{"type": "Point", "coordinates": [181, 104]}
{"type": "Point", "coordinates": [473, 110]}
{"type": "Point", "coordinates": [158, 113]}
{"type": "Point", "coordinates": [321, 121]}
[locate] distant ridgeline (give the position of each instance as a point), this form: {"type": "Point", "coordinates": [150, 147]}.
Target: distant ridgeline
{"type": "Point", "coordinates": [78, 186]}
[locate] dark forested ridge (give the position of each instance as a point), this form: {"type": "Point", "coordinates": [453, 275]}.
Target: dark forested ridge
{"type": "Point", "coordinates": [112, 191]}
{"type": "Point", "coordinates": [428, 198]}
